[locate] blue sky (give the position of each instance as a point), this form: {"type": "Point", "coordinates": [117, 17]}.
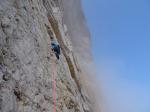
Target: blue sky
{"type": "Point", "coordinates": [120, 31]}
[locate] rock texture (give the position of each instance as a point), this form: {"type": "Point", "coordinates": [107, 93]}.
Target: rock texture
{"type": "Point", "coordinates": [27, 64]}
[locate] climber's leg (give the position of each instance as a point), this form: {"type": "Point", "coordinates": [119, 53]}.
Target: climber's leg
{"type": "Point", "coordinates": [57, 55]}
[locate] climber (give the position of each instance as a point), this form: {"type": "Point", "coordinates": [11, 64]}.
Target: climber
{"type": "Point", "coordinates": [55, 47]}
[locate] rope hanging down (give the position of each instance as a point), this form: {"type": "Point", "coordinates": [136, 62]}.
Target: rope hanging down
{"type": "Point", "coordinates": [54, 88]}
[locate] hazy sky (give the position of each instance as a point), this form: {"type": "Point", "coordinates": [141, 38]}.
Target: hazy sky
{"type": "Point", "coordinates": [120, 32]}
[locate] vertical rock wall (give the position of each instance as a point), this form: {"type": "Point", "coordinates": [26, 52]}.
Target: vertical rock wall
{"type": "Point", "coordinates": [27, 63]}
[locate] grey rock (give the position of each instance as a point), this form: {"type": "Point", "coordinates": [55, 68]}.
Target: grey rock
{"type": "Point", "coordinates": [27, 64]}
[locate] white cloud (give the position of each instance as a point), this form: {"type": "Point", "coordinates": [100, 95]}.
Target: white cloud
{"type": "Point", "coordinates": [122, 95]}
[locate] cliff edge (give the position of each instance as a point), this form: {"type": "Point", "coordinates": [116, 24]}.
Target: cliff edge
{"type": "Point", "coordinates": [30, 78]}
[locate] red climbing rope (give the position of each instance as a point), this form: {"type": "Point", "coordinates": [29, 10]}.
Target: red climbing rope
{"type": "Point", "coordinates": [54, 88]}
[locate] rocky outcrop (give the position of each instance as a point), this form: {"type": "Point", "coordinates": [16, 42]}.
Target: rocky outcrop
{"type": "Point", "coordinates": [27, 64]}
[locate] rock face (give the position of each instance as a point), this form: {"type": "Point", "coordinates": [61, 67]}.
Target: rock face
{"type": "Point", "coordinates": [28, 67]}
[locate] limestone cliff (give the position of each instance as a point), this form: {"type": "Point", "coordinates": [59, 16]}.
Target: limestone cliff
{"type": "Point", "coordinates": [27, 64]}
